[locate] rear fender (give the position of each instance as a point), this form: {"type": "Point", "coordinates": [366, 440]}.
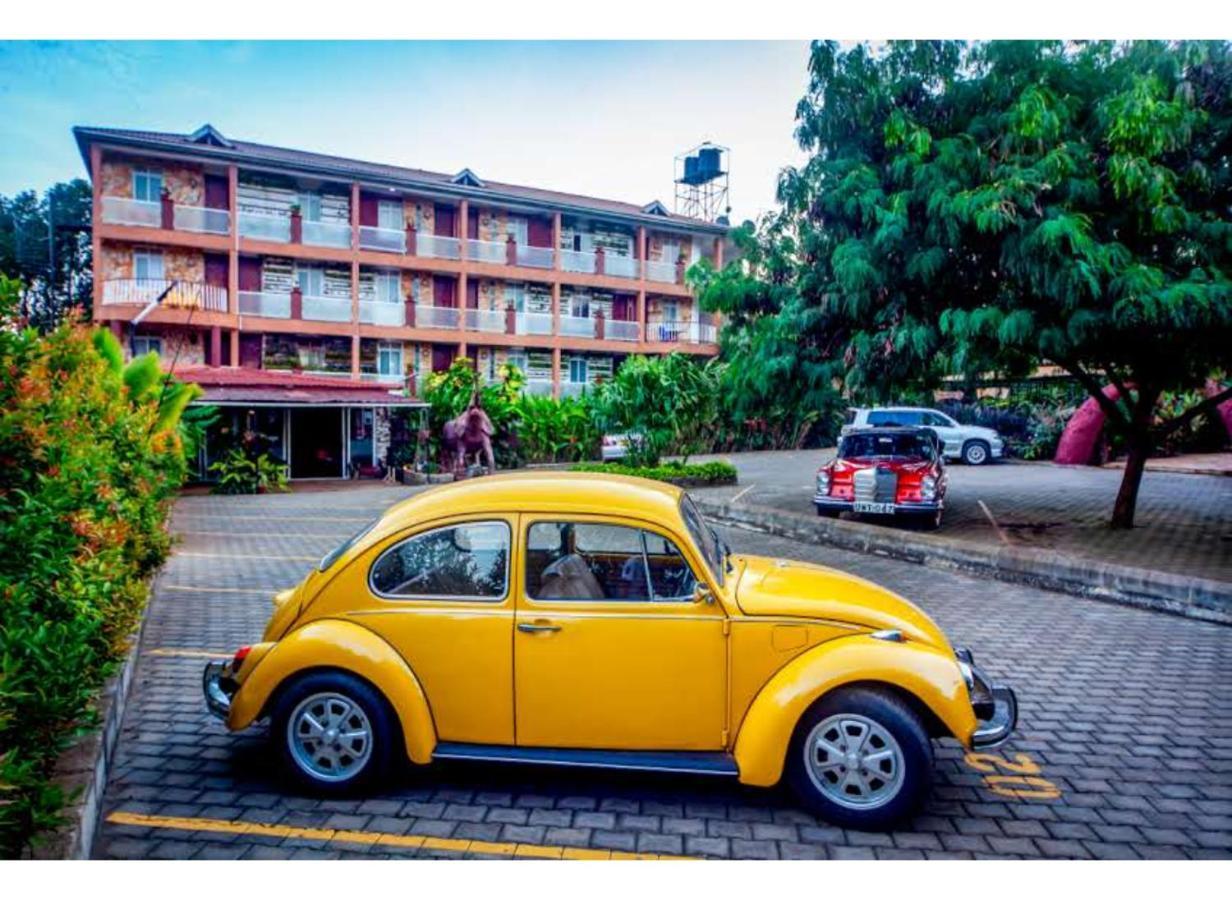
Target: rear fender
{"type": "Point", "coordinates": [928, 674]}
{"type": "Point", "coordinates": [339, 644]}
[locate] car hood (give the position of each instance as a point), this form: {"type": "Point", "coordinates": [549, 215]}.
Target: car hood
{"type": "Point", "coordinates": [853, 463]}
{"type": "Point", "coordinates": [782, 587]}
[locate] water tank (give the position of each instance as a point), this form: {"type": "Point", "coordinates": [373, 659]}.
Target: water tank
{"type": "Point", "coordinates": [708, 163]}
{"type": "Point", "coordinates": [690, 170]}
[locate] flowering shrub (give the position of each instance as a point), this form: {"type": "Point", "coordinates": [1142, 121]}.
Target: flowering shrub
{"type": "Point", "coordinates": [90, 459]}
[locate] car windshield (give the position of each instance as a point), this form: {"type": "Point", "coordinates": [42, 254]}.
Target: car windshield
{"type": "Point", "coordinates": [334, 555]}
{"type": "Point", "coordinates": [870, 445]}
{"type": "Point", "coordinates": [713, 547]}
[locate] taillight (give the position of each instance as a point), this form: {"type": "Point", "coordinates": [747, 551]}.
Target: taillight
{"type": "Point", "coordinates": [238, 660]}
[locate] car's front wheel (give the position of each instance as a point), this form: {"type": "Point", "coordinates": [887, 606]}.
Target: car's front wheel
{"type": "Point", "coordinates": [861, 758]}
{"type": "Point", "coordinates": [333, 732]}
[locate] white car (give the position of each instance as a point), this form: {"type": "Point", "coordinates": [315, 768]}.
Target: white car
{"type": "Point", "coordinates": [972, 444]}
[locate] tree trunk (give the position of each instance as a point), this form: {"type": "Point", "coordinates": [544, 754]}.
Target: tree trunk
{"type": "Point", "coordinates": [1127, 496]}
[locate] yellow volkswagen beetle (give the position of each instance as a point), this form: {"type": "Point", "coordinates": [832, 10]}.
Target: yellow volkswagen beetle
{"type": "Point", "coordinates": [594, 620]}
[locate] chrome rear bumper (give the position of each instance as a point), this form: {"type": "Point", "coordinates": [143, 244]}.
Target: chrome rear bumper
{"type": "Point", "coordinates": [218, 687]}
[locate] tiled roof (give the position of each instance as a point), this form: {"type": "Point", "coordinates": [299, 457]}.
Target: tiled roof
{"type": "Point", "coordinates": [403, 176]}
{"type": "Point", "coordinates": [239, 385]}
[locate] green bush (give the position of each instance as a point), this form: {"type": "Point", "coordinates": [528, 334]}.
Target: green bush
{"type": "Point", "coordinates": [241, 473]}
{"type": "Point", "coordinates": [684, 474]}
{"type": "Point", "coordinates": [90, 460]}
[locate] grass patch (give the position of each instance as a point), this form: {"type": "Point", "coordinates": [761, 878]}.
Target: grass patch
{"type": "Point", "coordinates": [706, 474]}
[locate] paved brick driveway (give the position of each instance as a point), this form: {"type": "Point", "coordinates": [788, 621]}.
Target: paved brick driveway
{"type": "Point", "coordinates": [1183, 522]}
{"type": "Point", "coordinates": [1125, 748]}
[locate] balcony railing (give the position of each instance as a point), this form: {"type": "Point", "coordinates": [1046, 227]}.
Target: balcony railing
{"type": "Point", "coordinates": [618, 330]}
{"type": "Point", "coordinates": [539, 386]}
{"type": "Point", "coordinates": [577, 326]}
{"type": "Point", "coordinates": [327, 309]}
{"type": "Point", "coordinates": [490, 320]}
{"type": "Point", "coordinates": [487, 251]}
{"type": "Point", "coordinates": [577, 261]}
{"type": "Point", "coordinates": [435, 316]}
{"type": "Point", "coordinates": [707, 333]}
{"type": "Point", "coordinates": [382, 312]}
{"type": "Point", "coordinates": [123, 211]}
{"type": "Point", "coordinates": [620, 266]}
{"type": "Point", "coordinates": [534, 323]}
{"type": "Point", "coordinates": [327, 234]}
{"type": "Point", "coordinates": [391, 240]}
{"type": "Point", "coordinates": [265, 303]}
{"type": "Point", "coordinates": [202, 219]}
{"type": "Point", "coordinates": [437, 246]}
{"type": "Point", "coordinates": [183, 294]}
{"type": "Point", "coordinates": [661, 271]}
{"type": "Point", "coordinates": [683, 332]}
{"type": "Point", "coordinates": [265, 227]}
{"type": "Point", "coordinates": [573, 388]}
{"type": "Point", "coordinates": [535, 257]}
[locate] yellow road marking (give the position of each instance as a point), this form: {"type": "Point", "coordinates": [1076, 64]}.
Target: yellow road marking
{"type": "Point", "coordinates": [414, 841]}
{"type": "Point", "coordinates": [202, 654]}
{"type": "Point", "coordinates": [245, 556]}
{"type": "Point", "coordinates": [216, 590]}
{"type": "Point", "coordinates": [1026, 781]}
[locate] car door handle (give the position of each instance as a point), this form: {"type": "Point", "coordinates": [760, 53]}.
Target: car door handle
{"type": "Point", "coordinates": [535, 627]}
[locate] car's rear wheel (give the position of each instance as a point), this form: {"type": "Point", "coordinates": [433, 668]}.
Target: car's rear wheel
{"type": "Point", "coordinates": [976, 453]}
{"type": "Point", "coordinates": [861, 758]}
{"type": "Point", "coordinates": [334, 733]}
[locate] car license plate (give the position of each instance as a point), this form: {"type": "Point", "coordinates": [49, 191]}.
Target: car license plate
{"type": "Point", "coordinates": [883, 508]}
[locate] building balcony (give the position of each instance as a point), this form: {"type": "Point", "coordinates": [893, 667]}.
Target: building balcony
{"type": "Point", "coordinates": [327, 309]}
{"type": "Point", "coordinates": [657, 270]}
{"type": "Point", "coordinates": [436, 316]}
{"type": "Point", "coordinates": [202, 219]}
{"type": "Point", "coordinates": [179, 294]}
{"type": "Point", "coordinates": [382, 312]}
{"type": "Point", "coordinates": [577, 326]}
{"type": "Point", "coordinates": [620, 266]}
{"type": "Point", "coordinates": [489, 320]}
{"type": "Point", "coordinates": [682, 332]}
{"type": "Point", "coordinates": [265, 303]}
{"type": "Point", "coordinates": [390, 240]}
{"type": "Point", "coordinates": [540, 387]}
{"type": "Point", "coordinates": [579, 261]}
{"type": "Point", "coordinates": [618, 330]}
{"type": "Point", "coordinates": [573, 388]}
{"type": "Point", "coordinates": [123, 211]}
{"type": "Point", "coordinates": [327, 234]}
{"type": "Point", "coordinates": [265, 227]}
{"type": "Point", "coordinates": [495, 252]}
{"type": "Point", "coordinates": [435, 246]}
{"type": "Point", "coordinates": [535, 257]}
{"type": "Point", "coordinates": [534, 323]}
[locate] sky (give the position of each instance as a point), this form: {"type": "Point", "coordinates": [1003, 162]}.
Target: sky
{"type": "Point", "coordinates": [598, 118]}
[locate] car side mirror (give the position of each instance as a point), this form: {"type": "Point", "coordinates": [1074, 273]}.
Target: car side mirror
{"type": "Point", "coordinates": [702, 594]}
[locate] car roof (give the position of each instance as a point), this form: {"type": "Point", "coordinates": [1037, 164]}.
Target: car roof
{"type": "Point", "coordinates": [540, 491]}
{"type": "Point", "coordinates": [895, 409]}
{"type": "Point", "coordinates": [889, 429]}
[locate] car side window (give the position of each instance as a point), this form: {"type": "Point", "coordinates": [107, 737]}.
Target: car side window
{"type": "Point", "coordinates": [596, 561]}
{"type": "Point", "coordinates": [936, 419]}
{"type": "Point", "coordinates": [458, 562]}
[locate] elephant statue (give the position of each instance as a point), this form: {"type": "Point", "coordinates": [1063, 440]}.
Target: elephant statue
{"type": "Point", "coordinates": [466, 436]}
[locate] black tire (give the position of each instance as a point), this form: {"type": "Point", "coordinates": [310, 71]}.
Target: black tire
{"type": "Point", "coordinates": [929, 521]}
{"type": "Point", "coordinates": [893, 714]}
{"type": "Point", "coordinates": [382, 724]}
{"type": "Point", "coordinates": [827, 512]}
{"type": "Point", "coordinates": [976, 453]}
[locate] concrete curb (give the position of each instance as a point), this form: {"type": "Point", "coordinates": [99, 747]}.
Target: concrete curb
{"type": "Point", "coordinates": [1195, 598]}
{"type": "Point", "coordinates": [86, 765]}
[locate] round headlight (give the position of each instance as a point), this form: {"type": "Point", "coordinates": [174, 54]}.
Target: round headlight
{"type": "Point", "coordinates": [967, 674]}
{"type": "Point", "coordinates": [928, 487]}
{"type": "Point", "coordinates": [823, 481]}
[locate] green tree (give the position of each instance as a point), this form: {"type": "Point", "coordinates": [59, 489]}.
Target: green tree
{"type": "Point", "coordinates": [45, 244]}
{"type": "Point", "coordinates": [982, 207]}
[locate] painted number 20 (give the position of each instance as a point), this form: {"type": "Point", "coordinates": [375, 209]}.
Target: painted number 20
{"type": "Point", "coordinates": [1024, 781]}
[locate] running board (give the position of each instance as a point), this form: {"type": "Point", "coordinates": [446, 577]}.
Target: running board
{"type": "Point", "coordinates": [695, 763]}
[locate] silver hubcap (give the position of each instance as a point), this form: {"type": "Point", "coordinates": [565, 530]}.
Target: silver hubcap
{"type": "Point", "coordinates": [975, 454]}
{"type": "Point", "coordinates": [854, 762]}
{"type": "Point", "coordinates": [330, 737]}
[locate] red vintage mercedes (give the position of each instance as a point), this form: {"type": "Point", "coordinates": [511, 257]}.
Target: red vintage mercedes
{"type": "Point", "coordinates": [885, 471]}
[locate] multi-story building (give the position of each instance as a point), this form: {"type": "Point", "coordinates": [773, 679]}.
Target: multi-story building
{"type": "Point", "coordinates": [328, 273]}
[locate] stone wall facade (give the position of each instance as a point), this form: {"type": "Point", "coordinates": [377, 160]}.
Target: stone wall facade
{"type": "Point", "coordinates": [116, 261]}
{"type": "Point", "coordinates": [426, 210]}
{"type": "Point", "coordinates": [493, 225]}
{"type": "Point", "coordinates": [185, 183]}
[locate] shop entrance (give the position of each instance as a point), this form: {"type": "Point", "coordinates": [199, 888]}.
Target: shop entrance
{"type": "Point", "coordinates": [316, 443]}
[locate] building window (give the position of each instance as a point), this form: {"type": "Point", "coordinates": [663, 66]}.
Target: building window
{"type": "Point", "coordinates": [389, 215]}
{"type": "Point", "coordinates": [515, 296]}
{"type": "Point", "coordinates": [579, 305]}
{"type": "Point", "coordinates": [517, 361]}
{"type": "Point", "coordinates": [143, 345]}
{"type": "Point", "coordinates": [519, 230]}
{"type": "Point", "coordinates": [311, 281]}
{"type": "Point", "coordinates": [578, 370]}
{"type": "Point", "coordinates": [147, 186]}
{"type": "Point", "coordinates": [389, 359]}
{"type": "Point", "coordinates": [670, 311]}
{"type": "Point", "coordinates": [388, 287]}
{"type": "Point", "coordinates": [148, 264]}
{"type": "Point", "coordinates": [670, 252]}
{"type": "Point", "coordinates": [310, 207]}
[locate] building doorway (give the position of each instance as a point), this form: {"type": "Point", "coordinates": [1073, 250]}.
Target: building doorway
{"type": "Point", "coordinates": [316, 443]}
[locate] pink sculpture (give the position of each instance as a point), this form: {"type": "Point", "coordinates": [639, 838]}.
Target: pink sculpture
{"type": "Point", "coordinates": [1213, 387]}
{"type": "Point", "coordinates": [1080, 442]}
{"type": "Point", "coordinates": [468, 435]}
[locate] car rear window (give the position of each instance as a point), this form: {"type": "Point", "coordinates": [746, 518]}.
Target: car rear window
{"type": "Point", "coordinates": [334, 555]}
{"type": "Point", "coordinates": [892, 417]}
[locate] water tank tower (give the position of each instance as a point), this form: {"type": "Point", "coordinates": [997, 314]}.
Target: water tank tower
{"type": "Point", "coordinates": [701, 182]}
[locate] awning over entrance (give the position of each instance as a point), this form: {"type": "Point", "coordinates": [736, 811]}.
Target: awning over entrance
{"type": "Point", "coordinates": [226, 386]}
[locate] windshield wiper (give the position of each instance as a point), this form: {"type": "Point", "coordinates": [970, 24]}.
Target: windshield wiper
{"type": "Point", "coordinates": [725, 549]}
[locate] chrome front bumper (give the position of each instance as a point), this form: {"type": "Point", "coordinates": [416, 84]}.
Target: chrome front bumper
{"type": "Point", "coordinates": [826, 501]}
{"type": "Point", "coordinates": [995, 705]}
{"type": "Point", "coordinates": [218, 688]}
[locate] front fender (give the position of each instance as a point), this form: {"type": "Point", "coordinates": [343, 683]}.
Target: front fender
{"type": "Point", "coordinates": [339, 644]}
{"type": "Point", "coordinates": [929, 674]}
